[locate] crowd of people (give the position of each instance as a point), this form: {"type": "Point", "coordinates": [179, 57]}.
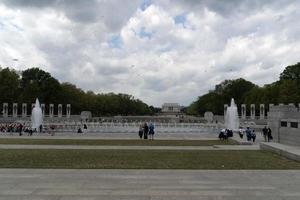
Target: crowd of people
{"type": "Point", "coordinates": [250, 134]}
{"type": "Point", "coordinates": [145, 131]}
{"type": "Point", "coordinates": [20, 128]}
{"type": "Point", "coordinates": [225, 134]}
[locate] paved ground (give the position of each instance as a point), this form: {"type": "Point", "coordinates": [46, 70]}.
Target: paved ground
{"type": "Point", "coordinates": [52, 184]}
{"type": "Point", "coordinates": [161, 136]}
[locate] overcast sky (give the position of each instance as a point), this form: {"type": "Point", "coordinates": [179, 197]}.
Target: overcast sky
{"type": "Point", "coordinates": [156, 50]}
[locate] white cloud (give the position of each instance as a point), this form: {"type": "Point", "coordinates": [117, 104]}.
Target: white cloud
{"type": "Point", "coordinates": [107, 47]}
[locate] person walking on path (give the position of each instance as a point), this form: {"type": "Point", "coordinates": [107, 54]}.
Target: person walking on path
{"type": "Point", "coordinates": [141, 131]}
{"type": "Point", "coordinates": [270, 137]}
{"type": "Point", "coordinates": [248, 134]}
{"type": "Point", "coordinates": [151, 131]}
{"type": "Point", "coordinates": [265, 133]}
{"type": "Point", "coordinates": [253, 135]}
{"type": "Point", "coordinates": [146, 129]}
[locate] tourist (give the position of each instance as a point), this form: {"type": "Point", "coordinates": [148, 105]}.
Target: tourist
{"type": "Point", "coordinates": [52, 130]}
{"type": "Point", "coordinates": [20, 129]}
{"type": "Point", "coordinates": [253, 135]}
{"type": "Point", "coordinates": [41, 128]}
{"type": "Point", "coordinates": [248, 134]}
{"type": "Point", "coordinates": [141, 131]}
{"type": "Point", "coordinates": [265, 133]}
{"type": "Point", "coordinates": [146, 129]}
{"type": "Point", "coordinates": [269, 135]}
{"type": "Point", "coordinates": [84, 128]}
{"type": "Point", "coordinates": [151, 131]}
{"type": "Point", "coordinates": [241, 132]}
{"type": "Point", "coordinates": [223, 134]}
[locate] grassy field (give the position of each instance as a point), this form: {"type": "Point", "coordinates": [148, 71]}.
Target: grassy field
{"type": "Point", "coordinates": [143, 159]}
{"type": "Point", "coordinates": [116, 142]}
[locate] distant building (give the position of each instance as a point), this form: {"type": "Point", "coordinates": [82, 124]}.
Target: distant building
{"type": "Point", "coordinates": [171, 108]}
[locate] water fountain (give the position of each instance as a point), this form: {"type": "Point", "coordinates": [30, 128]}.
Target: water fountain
{"type": "Point", "coordinates": [36, 116]}
{"type": "Point", "coordinates": [232, 117]}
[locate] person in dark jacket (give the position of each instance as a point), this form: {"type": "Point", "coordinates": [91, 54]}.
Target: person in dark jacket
{"type": "Point", "coordinates": [265, 133]}
{"type": "Point", "coordinates": [141, 131]}
{"type": "Point", "coordinates": [269, 137]}
{"type": "Point", "coordinates": [146, 130]}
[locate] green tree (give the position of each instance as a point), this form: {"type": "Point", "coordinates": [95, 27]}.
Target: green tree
{"type": "Point", "coordinates": [291, 72]}
{"type": "Point", "coordinates": [36, 83]}
{"type": "Point", "coordinates": [9, 86]}
{"type": "Point", "coordinates": [289, 92]}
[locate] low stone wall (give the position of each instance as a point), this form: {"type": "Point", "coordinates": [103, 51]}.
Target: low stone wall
{"type": "Point", "coordinates": [290, 152]}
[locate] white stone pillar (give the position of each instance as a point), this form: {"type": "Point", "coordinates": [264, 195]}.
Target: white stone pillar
{"type": "Point", "coordinates": [243, 111]}
{"type": "Point", "coordinates": [51, 110]}
{"type": "Point", "coordinates": [59, 110]}
{"type": "Point", "coordinates": [262, 111]}
{"type": "Point", "coordinates": [43, 109]}
{"type": "Point", "coordinates": [15, 110]}
{"type": "Point", "coordinates": [5, 109]}
{"type": "Point", "coordinates": [291, 104]}
{"type": "Point", "coordinates": [225, 109]}
{"type": "Point", "coordinates": [281, 104]}
{"type": "Point", "coordinates": [68, 110]}
{"type": "Point", "coordinates": [24, 109]}
{"type": "Point", "coordinates": [252, 111]}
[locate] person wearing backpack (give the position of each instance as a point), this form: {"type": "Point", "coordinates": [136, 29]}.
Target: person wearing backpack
{"type": "Point", "coordinates": [151, 131]}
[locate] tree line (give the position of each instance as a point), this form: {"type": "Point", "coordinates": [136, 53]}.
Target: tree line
{"type": "Point", "coordinates": [285, 90]}
{"type": "Point", "coordinates": [25, 86]}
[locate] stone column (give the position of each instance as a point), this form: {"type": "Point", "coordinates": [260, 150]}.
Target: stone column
{"type": "Point", "coordinates": [43, 109]}
{"type": "Point", "coordinates": [281, 104]}
{"type": "Point", "coordinates": [243, 111]}
{"type": "Point", "coordinates": [15, 110]}
{"type": "Point", "coordinates": [270, 106]}
{"type": "Point", "coordinates": [59, 110]}
{"type": "Point", "coordinates": [252, 111]}
{"type": "Point", "coordinates": [68, 110]}
{"type": "Point", "coordinates": [24, 109]}
{"type": "Point", "coordinates": [225, 109]}
{"type": "Point", "coordinates": [262, 111]}
{"type": "Point", "coordinates": [291, 104]}
{"type": "Point", "coordinates": [51, 110]}
{"type": "Point", "coordinates": [5, 109]}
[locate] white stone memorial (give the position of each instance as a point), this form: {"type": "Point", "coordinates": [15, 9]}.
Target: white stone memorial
{"type": "Point", "coordinates": [252, 111]}
{"type": "Point", "coordinates": [68, 110]}
{"type": "Point", "coordinates": [15, 110]}
{"type": "Point", "coordinates": [225, 109]}
{"type": "Point", "coordinates": [24, 109]}
{"type": "Point", "coordinates": [51, 110]}
{"type": "Point", "coordinates": [209, 117]}
{"type": "Point", "coordinates": [59, 110]}
{"type": "Point", "coordinates": [262, 111]}
{"type": "Point", "coordinates": [43, 109]}
{"type": "Point", "coordinates": [5, 110]}
{"type": "Point", "coordinates": [243, 111]}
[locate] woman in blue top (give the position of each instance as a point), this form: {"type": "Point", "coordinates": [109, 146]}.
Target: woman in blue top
{"type": "Point", "coordinates": [151, 131]}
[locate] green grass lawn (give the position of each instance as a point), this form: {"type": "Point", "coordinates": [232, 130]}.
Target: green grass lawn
{"type": "Point", "coordinates": [143, 159]}
{"type": "Point", "coordinates": [116, 142]}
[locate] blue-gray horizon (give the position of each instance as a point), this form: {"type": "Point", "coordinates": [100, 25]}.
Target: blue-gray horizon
{"type": "Point", "coordinates": [156, 50]}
